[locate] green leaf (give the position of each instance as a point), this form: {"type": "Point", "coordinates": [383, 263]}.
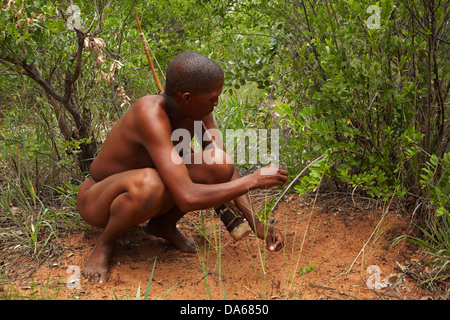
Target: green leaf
{"type": "Point", "coordinates": [307, 269]}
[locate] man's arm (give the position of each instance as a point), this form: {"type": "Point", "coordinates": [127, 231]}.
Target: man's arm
{"type": "Point", "coordinates": [272, 236]}
{"type": "Point", "coordinates": [155, 133]}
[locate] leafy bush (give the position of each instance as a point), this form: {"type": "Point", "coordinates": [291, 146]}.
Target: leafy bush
{"type": "Point", "coordinates": [371, 97]}
{"type": "Point", "coordinates": [364, 83]}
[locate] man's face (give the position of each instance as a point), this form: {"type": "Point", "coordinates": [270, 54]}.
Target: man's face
{"type": "Point", "coordinates": [203, 104]}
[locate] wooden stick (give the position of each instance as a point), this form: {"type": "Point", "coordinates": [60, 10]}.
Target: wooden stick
{"type": "Point", "coordinates": [146, 49]}
{"type": "Point", "coordinates": [295, 179]}
{"type": "Point", "coordinates": [144, 43]}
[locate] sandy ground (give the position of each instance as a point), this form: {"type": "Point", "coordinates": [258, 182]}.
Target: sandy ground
{"type": "Point", "coordinates": [335, 248]}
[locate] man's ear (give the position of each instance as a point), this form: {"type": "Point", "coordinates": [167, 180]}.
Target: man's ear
{"type": "Point", "coordinates": [186, 97]}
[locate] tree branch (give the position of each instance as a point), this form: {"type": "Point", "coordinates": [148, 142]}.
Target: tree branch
{"type": "Point", "coordinates": [98, 28]}
{"type": "Point", "coordinates": [71, 78]}
{"type": "Point", "coordinates": [34, 74]}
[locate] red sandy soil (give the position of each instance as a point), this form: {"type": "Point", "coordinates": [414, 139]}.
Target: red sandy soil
{"type": "Point", "coordinates": [339, 238]}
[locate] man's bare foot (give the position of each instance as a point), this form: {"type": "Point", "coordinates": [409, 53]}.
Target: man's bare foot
{"type": "Point", "coordinates": [96, 269]}
{"type": "Point", "coordinates": [171, 234]}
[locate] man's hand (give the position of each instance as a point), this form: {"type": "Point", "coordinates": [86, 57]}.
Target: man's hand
{"type": "Point", "coordinates": [270, 176]}
{"type": "Point", "coordinates": [267, 177]}
{"type": "Point", "coordinates": [274, 239]}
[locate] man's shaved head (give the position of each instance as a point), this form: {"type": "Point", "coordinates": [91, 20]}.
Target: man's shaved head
{"type": "Point", "coordinates": [192, 72]}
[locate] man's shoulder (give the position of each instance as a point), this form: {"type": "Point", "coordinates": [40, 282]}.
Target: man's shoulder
{"type": "Point", "coordinates": [148, 114]}
{"type": "Point", "coordinates": [149, 107]}
{"type": "Point", "coordinates": [152, 103]}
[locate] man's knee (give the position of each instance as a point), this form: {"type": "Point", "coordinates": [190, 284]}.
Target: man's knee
{"type": "Point", "coordinates": [219, 165]}
{"type": "Point", "coordinates": [148, 189]}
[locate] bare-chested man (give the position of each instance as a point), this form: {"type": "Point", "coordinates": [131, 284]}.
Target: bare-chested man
{"type": "Point", "coordinates": [134, 178]}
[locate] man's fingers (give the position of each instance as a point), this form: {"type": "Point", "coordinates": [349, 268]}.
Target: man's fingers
{"type": "Point", "coordinates": [283, 175]}
{"type": "Point", "coordinates": [280, 171]}
{"type": "Point", "coordinates": [275, 246]}
{"type": "Point", "coordinates": [273, 176]}
{"type": "Point", "coordinates": [274, 242]}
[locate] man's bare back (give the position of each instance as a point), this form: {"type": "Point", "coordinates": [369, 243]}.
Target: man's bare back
{"type": "Point", "coordinates": [123, 149]}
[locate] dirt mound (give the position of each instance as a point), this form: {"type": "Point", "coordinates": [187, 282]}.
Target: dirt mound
{"type": "Point", "coordinates": [334, 249]}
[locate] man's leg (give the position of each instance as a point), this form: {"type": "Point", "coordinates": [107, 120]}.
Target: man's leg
{"type": "Point", "coordinates": [215, 169]}
{"type": "Point", "coordinates": [117, 203]}
{"type": "Point", "coordinates": [129, 198]}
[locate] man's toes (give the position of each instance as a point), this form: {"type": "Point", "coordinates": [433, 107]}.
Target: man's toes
{"type": "Point", "coordinates": [188, 247]}
{"type": "Point", "coordinates": [103, 277]}
{"type": "Point", "coordinates": [96, 276]}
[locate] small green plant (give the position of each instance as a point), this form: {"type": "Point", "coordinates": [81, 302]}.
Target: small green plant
{"type": "Point", "coordinates": [437, 246]}
{"type": "Point", "coordinates": [307, 269]}
{"type": "Point", "coordinates": [266, 211]}
{"type": "Point", "coordinates": [149, 284]}
{"type": "Point", "coordinates": [436, 179]}
{"type": "Point", "coordinates": [435, 239]}
{"type": "Point", "coordinates": [67, 195]}
{"type": "Point", "coordinates": [35, 222]}
{"type": "Point", "coordinates": [212, 245]}
{"type": "Point", "coordinates": [10, 292]}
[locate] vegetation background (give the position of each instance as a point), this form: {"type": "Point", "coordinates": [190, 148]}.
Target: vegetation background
{"type": "Point", "coordinates": [365, 84]}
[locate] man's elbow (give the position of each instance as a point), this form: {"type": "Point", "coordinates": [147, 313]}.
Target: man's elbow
{"type": "Point", "coordinates": [184, 207]}
{"type": "Point", "coordinates": [187, 203]}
